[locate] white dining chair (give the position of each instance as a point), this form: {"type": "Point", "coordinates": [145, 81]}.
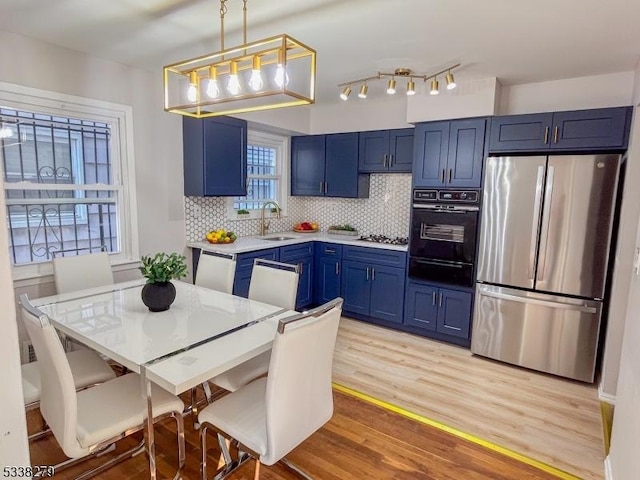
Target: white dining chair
{"type": "Point", "coordinates": [88, 422]}
{"type": "Point", "coordinates": [275, 283]}
{"type": "Point", "coordinates": [271, 416]}
{"type": "Point", "coordinates": [216, 271]}
{"type": "Point", "coordinates": [82, 271]}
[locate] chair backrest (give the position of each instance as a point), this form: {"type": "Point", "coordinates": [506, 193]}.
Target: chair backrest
{"type": "Point", "coordinates": [216, 272]}
{"type": "Point", "coordinates": [299, 396]}
{"type": "Point", "coordinates": [274, 283]}
{"type": "Point", "coordinates": [82, 271]}
{"type": "Point", "coordinates": [58, 401]}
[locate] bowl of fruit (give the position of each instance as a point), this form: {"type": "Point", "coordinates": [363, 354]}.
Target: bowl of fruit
{"type": "Point", "coordinates": [306, 227]}
{"type": "Point", "coordinates": [221, 236]}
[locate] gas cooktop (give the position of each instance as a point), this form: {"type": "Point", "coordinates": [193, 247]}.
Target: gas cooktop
{"type": "Point", "coordinates": [384, 239]}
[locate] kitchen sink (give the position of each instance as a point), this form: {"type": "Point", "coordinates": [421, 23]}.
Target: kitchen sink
{"type": "Point", "coordinates": [276, 239]}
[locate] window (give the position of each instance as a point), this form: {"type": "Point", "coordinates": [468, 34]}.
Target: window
{"type": "Point", "coordinates": [266, 175]}
{"type": "Point", "coordinates": [65, 177]}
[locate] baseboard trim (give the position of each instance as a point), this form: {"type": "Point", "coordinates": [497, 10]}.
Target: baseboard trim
{"type": "Point", "coordinates": [608, 474]}
{"type": "Point", "coordinates": [606, 397]}
{"type": "Point", "coordinates": [458, 433]}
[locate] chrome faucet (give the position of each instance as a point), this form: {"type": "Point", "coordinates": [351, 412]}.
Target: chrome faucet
{"type": "Point", "coordinates": [264, 225]}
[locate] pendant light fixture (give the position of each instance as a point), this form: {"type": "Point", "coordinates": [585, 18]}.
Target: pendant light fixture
{"type": "Point", "coordinates": [271, 73]}
{"type": "Point", "coordinates": [401, 73]}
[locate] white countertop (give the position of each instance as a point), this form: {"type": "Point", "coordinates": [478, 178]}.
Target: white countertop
{"type": "Point", "coordinates": [250, 244]}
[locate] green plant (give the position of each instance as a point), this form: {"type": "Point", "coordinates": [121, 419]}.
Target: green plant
{"type": "Point", "coordinates": [242, 211]}
{"type": "Point", "coordinates": [162, 267]}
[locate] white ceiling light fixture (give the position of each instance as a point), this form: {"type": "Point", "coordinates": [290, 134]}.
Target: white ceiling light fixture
{"type": "Point", "coordinates": [282, 73]}
{"type": "Point", "coordinates": [401, 73]}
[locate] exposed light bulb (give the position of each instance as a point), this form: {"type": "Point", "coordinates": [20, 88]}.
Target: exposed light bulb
{"type": "Point", "coordinates": [256, 82]}
{"type": "Point", "coordinates": [213, 89]}
{"type": "Point", "coordinates": [234, 82]}
{"type": "Point", "coordinates": [192, 91]}
{"type": "Point", "coordinates": [282, 77]}
{"type": "Point", "coordinates": [344, 95]}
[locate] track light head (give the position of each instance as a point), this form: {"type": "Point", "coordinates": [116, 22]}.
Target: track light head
{"type": "Point", "coordinates": [411, 88]}
{"type": "Point", "coordinates": [434, 87]}
{"type": "Point", "coordinates": [451, 83]}
{"type": "Point", "coordinates": [344, 95]}
{"type": "Point", "coordinates": [391, 88]}
{"type": "Point", "coordinates": [363, 91]}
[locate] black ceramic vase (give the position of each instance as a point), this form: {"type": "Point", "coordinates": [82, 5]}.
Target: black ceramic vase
{"type": "Point", "coordinates": [158, 296]}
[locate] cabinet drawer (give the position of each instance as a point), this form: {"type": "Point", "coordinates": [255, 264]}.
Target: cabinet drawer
{"type": "Point", "coordinates": [293, 252]}
{"type": "Point", "coordinates": [379, 256]}
{"type": "Point", "coordinates": [329, 250]}
{"type": "Point", "coordinates": [244, 261]}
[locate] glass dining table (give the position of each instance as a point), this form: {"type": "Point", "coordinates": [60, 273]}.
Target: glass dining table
{"type": "Point", "coordinates": [203, 334]}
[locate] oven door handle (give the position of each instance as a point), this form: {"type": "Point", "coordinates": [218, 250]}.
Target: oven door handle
{"type": "Point", "coordinates": [442, 263]}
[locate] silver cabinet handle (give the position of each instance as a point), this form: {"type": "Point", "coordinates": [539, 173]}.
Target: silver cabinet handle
{"type": "Point", "coordinates": [321, 187]}
{"type": "Point", "coordinates": [390, 160]}
{"type": "Point", "coordinates": [385, 160]}
{"type": "Point", "coordinates": [442, 176]}
{"type": "Point", "coordinates": [373, 273]}
{"type": "Point", "coordinates": [433, 298]}
{"type": "Point", "coordinates": [546, 134]}
{"type": "Point", "coordinates": [450, 174]}
{"type": "Point", "coordinates": [367, 273]}
{"type": "Point", "coordinates": [327, 250]}
{"type": "Point", "coordinates": [337, 268]}
{"type": "Point", "coordinates": [300, 268]}
{"type": "Point", "coordinates": [537, 201]}
{"type": "Point", "coordinates": [535, 301]}
{"type": "Point", "coordinates": [440, 300]}
{"type": "Point", "coordinates": [546, 219]}
{"type": "Point", "coordinates": [556, 131]}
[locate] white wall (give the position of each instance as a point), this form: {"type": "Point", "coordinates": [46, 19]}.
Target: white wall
{"type": "Point", "coordinates": [623, 460]}
{"type": "Point", "coordinates": [597, 91]}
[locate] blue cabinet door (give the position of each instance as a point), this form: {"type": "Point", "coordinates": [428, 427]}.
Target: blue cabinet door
{"type": "Point", "coordinates": [430, 152]}
{"type": "Point", "coordinates": [215, 156]}
{"type": "Point", "coordinates": [307, 165]}
{"type": "Point", "coordinates": [520, 133]}
{"type": "Point", "coordinates": [341, 171]}
{"type": "Point", "coordinates": [356, 289]}
{"type": "Point", "coordinates": [373, 152]}
{"type": "Point", "coordinates": [401, 150]}
{"type": "Point", "coordinates": [421, 306]}
{"type": "Point", "coordinates": [454, 312]}
{"type": "Point", "coordinates": [328, 274]}
{"type": "Point", "coordinates": [387, 293]}
{"type": "Point", "coordinates": [589, 129]}
{"type": "Point", "coordinates": [466, 152]}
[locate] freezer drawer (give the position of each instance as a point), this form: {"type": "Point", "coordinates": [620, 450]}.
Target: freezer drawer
{"type": "Point", "coordinates": [547, 333]}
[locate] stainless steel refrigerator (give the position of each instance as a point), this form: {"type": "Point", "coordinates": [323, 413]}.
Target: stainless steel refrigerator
{"type": "Point", "coordinates": [546, 228]}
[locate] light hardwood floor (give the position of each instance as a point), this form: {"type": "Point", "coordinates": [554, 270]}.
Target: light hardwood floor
{"type": "Point", "coordinates": [546, 418]}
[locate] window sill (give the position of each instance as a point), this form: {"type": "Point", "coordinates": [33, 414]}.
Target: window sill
{"type": "Point", "coordinates": [45, 274]}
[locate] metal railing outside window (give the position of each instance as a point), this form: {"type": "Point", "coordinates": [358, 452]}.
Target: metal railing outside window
{"type": "Point", "coordinates": [59, 185]}
{"type": "Point", "coordinates": [263, 177]}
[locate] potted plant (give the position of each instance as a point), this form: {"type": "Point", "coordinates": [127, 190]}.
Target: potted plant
{"type": "Point", "coordinates": [159, 293]}
{"type": "Point", "coordinates": [242, 213]}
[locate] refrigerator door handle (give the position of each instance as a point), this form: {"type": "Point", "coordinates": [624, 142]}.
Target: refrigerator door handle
{"type": "Point", "coordinates": [535, 301]}
{"type": "Point", "coordinates": [535, 222]}
{"type": "Point", "coordinates": [546, 219]}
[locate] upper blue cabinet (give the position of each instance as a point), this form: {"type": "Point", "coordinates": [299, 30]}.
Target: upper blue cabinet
{"type": "Point", "coordinates": [215, 156]}
{"type": "Point", "coordinates": [580, 130]}
{"type": "Point", "coordinates": [449, 153]}
{"type": "Point", "coordinates": [327, 166]}
{"type": "Point", "coordinates": [386, 151]}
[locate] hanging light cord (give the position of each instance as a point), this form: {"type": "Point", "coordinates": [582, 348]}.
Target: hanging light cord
{"type": "Point", "coordinates": [244, 20]}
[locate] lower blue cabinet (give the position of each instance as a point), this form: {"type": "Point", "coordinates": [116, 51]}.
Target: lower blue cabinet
{"type": "Point", "coordinates": [356, 290]}
{"type": "Point", "coordinates": [387, 293]}
{"type": "Point", "coordinates": [442, 310]}
{"type": "Point", "coordinates": [328, 274]}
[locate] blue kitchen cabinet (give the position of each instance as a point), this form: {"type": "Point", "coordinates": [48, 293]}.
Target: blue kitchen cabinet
{"type": "Point", "coordinates": [328, 271]}
{"type": "Point", "coordinates": [373, 282]}
{"type": "Point", "coordinates": [308, 165]}
{"type": "Point", "coordinates": [435, 309]}
{"type": "Point", "coordinates": [301, 255]}
{"type": "Point", "coordinates": [327, 166]}
{"type": "Point", "coordinates": [244, 267]}
{"type": "Point", "coordinates": [214, 156]}
{"type": "Point", "coordinates": [602, 129]}
{"type": "Point", "coordinates": [449, 154]}
{"type": "Point", "coordinates": [384, 151]}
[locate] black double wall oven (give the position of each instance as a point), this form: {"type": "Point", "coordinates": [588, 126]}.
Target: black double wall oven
{"type": "Point", "coordinates": [442, 244]}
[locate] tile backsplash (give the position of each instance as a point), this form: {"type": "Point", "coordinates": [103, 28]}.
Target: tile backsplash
{"type": "Point", "coordinates": [385, 212]}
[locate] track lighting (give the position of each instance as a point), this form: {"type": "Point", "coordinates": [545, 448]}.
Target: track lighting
{"type": "Point", "coordinates": [402, 73]}
{"type": "Point", "coordinates": [345, 93]}
{"type": "Point", "coordinates": [434, 90]}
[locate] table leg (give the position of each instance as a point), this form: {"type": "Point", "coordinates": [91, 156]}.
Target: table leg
{"type": "Point", "coordinates": [149, 440]}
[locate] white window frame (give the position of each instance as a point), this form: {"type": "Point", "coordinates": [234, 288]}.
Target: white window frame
{"type": "Point", "coordinates": [120, 118]}
{"type": "Point", "coordinates": [281, 144]}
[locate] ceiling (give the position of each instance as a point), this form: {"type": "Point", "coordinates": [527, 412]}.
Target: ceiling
{"type": "Point", "coordinates": [518, 41]}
